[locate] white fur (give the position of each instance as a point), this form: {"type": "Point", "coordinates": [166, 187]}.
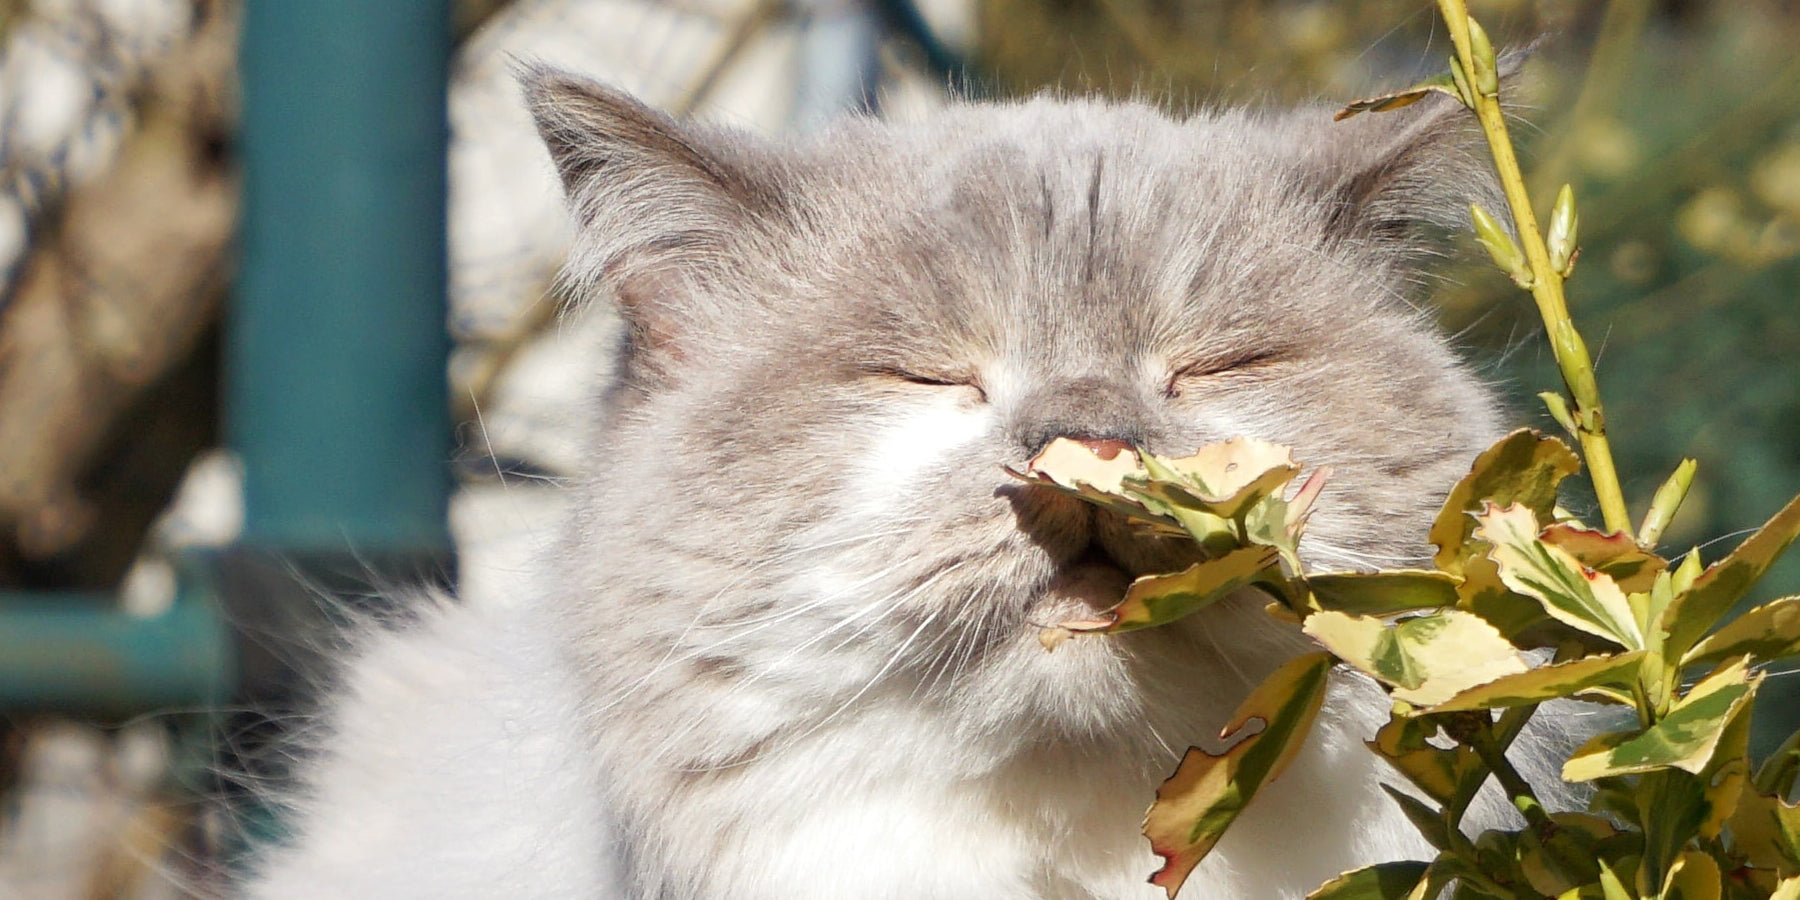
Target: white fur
{"type": "Point", "coordinates": [914, 441]}
{"type": "Point", "coordinates": [454, 770]}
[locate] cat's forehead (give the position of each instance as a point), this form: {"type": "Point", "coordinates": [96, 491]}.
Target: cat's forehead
{"type": "Point", "coordinates": [1080, 225]}
{"type": "Point", "coordinates": [1049, 166]}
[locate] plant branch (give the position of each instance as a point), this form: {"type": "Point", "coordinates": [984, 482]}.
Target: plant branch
{"type": "Point", "coordinates": [1546, 281]}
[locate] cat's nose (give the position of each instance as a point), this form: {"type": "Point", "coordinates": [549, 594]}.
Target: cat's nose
{"type": "Point", "coordinates": [1105, 448]}
{"type": "Point", "coordinates": [1105, 414]}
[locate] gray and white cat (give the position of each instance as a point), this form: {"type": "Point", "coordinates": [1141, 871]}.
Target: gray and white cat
{"type": "Point", "coordinates": [791, 651]}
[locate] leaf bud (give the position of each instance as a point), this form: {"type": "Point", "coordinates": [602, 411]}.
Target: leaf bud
{"type": "Point", "coordinates": [1667, 500]}
{"type": "Point", "coordinates": [1563, 226]}
{"type": "Point", "coordinates": [1461, 82]}
{"type": "Point", "coordinates": [1500, 246]}
{"type": "Point", "coordinates": [1690, 569]}
{"type": "Point", "coordinates": [1559, 410]}
{"type": "Point", "coordinates": [1481, 53]}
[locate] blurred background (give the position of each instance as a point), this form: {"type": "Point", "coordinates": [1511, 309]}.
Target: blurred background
{"type": "Point", "coordinates": [279, 328]}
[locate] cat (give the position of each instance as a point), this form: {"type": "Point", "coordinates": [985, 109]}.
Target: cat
{"type": "Point", "coordinates": [789, 649]}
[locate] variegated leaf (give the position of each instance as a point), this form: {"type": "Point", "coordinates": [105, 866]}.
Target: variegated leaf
{"type": "Point", "coordinates": [1768, 632]}
{"type": "Point", "coordinates": [1565, 679]}
{"type": "Point", "coordinates": [1524, 467]}
{"type": "Point", "coordinates": [1425, 659]}
{"type": "Point", "coordinates": [1694, 611]}
{"type": "Point", "coordinates": [1199, 802]}
{"type": "Point", "coordinates": [1382, 593]}
{"type": "Point", "coordinates": [1443, 84]}
{"type": "Point", "coordinates": [1684, 739]}
{"type": "Point", "coordinates": [1632, 567]}
{"type": "Point", "coordinates": [1450, 776]}
{"type": "Point", "coordinates": [1382, 881]}
{"type": "Point", "coordinates": [1579, 597]}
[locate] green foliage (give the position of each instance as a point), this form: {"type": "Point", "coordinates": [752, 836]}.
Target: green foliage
{"type": "Point", "coordinates": [1678, 811]}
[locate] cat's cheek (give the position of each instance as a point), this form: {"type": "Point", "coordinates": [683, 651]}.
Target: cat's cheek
{"type": "Point", "coordinates": [912, 443]}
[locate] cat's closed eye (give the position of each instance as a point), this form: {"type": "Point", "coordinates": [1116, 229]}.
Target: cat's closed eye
{"type": "Point", "coordinates": [928, 378]}
{"type": "Point", "coordinates": [1246, 363]}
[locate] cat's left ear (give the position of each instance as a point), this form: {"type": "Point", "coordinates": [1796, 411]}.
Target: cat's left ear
{"type": "Point", "coordinates": [1393, 177]}
{"type": "Point", "coordinates": [664, 207]}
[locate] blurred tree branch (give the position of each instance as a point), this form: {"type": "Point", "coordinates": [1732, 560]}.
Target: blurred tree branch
{"type": "Point", "coordinates": [122, 283]}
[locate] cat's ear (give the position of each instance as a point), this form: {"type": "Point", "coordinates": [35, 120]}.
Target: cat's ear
{"type": "Point", "coordinates": [1395, 177]}
{"type": "Point", "coordinates": [658, 202]}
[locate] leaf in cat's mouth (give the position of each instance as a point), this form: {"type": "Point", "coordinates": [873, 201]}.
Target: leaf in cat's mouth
{"type": "Point", "coordinates": [1116, 555]}
{"type": "Point", "coordinates": [1212, 523]}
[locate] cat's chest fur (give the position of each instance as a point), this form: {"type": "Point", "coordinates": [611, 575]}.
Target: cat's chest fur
{"type": "Point", "coordinates": [787, 646]}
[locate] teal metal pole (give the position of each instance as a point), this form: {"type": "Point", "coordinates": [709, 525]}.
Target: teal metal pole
{"type": "Point", "coordinates": [77, 652]}
{"type": "Point", "coordinates": [336, 342]}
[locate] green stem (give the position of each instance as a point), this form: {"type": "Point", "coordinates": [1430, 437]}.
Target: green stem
{"type": "Point", "coordinates": [1523, 797]}
{"type": "Point", "coordinates": [1547, 288]}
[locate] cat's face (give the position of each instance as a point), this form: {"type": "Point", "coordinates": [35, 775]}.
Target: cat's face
{"type": "Point", "coordinates": [838, 348]}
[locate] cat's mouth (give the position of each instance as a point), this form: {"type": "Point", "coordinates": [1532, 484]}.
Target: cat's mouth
{"type": "Point", "coordinates": [1092, 582]}
{"type": "Point", "coordinates": [1097, 577]}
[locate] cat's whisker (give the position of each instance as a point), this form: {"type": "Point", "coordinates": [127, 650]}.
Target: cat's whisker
{"type": "Point", "coordinates": [1229, 659]}
{"type": "Point", "coordinates": [896, 601]}
{"type": "Point", "coordinates": [968, 639]}
{"type": "Point", "coordinates": [884, 606]}
{"type": "Point", "coordinates": [1366, 560]}
{"type": "Point", "coordinates": [894, 659]}
{"type": "Point", "coordinates": [670, 659]}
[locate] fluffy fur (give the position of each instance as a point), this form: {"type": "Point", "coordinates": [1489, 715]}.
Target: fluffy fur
{"type": "Point", "coordinates": [791, 648]}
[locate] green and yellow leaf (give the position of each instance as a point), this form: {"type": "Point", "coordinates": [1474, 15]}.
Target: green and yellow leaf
{"type": "Point", "coordinates": [1670, 808]}
{"type": "Point", "coordinates": [1575, 677]}
{"type": "Point", "coordinates": [1443, 84]}
{"type": "Point", "coordinates": [1425, 659]}
{"type": "Point", "coordinates": [1382, 881]}
{"type": "Point", "coordinates": [1483, 593]}
{"type": "Point", "coordinates": [1428, 822]}
{"type": "Point", "coordinates": [1684, 739]}
{"type": "Point", "coordinates": [1695, 876]}
{"type": "Point", "coordinates": [1696, 610]}
{"type": "Point", "coordinates": [1579, 597]}
{"type": "Point", "coordinates": [1617, 554]}
{"type": "Point", "coordinates": [1449, 776]}
{"type": "Point", "coordinates": [1727, 777]}
{"type": "Point", "coordinates": [1382, 593]}
{"type": "Point", "coordinates": [1766, 829]}
{"type": "Point", "coordinates": [1072, 467]}
{"type": "Point", "coordinates": [1611, 888]}
{"type": "Point", "coordinates": [1767, 632]}
{"type": "Point", "coordinates": [1524, 467]}
{"type": "Point", "coordinates": [1195, 806]}
{"type": "Point", "coordinates": [1223, 479]}
{"type": "Point", "coordinates": [1777, 773]}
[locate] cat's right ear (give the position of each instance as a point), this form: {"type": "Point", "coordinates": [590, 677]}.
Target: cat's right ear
{"type": "Point", "coordinates": [658, 203]}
